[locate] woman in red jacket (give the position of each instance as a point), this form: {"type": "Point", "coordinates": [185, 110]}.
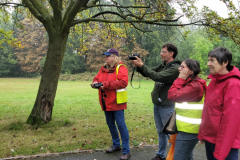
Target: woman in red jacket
{"type": "Point", "coordinates": [107, 81]}
{"type": "Point", "coordinates": [188, 87]}
{"type": "Point", "coordinates": [220, 127]}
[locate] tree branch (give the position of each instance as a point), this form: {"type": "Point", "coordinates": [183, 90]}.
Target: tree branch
{"type": "Point", "coordinates": [40, 12]}
{"type": "Point", "coordinates": [107, 5]}
{"type": "Point", "coordinates": [173, 20]}
{"type": "Point", "coordinates": [156, 22]}
{"type": "Point", "coordinates": [32, 9]}
{"type": "Point", "coordinates": [57, 11]}
{"type": "Point", "coordinates": [92, 2]}
{"type": "Point", "coordinates": [67, 9]}
{"type": "Point", "coordinates": [137, 28]}
{"type": "Point", "coordinates": [10, 4]}
{"type": "Point", "coordinates": [109, 12]}
{"type": "Point", "coordinates": [90, 5]}
{"type": "Point", "coordinates": [41, 8]}
{"type": "Point", "coordinates": [131, 15]}
{"type": "Point", "coordinates": [72, 11]}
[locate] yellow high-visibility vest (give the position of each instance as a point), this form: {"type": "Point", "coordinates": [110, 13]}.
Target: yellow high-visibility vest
{"type": "Point", "coordinates": [188, 117]}
{"type": "Point", "coordinates": [121, 94]}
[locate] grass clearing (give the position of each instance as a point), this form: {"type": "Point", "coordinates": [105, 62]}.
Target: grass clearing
{"type": "Point", "coordinates": [77, 121]}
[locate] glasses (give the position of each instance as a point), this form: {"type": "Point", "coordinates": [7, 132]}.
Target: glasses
{"type": "Point", "coordinates": [182, 66]}
{"type": "Point", "coordinates": [164, 52]}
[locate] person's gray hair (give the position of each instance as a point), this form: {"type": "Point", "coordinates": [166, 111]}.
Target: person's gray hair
{"type": "Point", "coordinates": [222, 55]}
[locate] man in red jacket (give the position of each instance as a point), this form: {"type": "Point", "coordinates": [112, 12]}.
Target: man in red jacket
{"type": "Point", "coordinates": [220, 127]}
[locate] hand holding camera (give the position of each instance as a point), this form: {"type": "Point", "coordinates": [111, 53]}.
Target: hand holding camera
{"type": "Point", "coordinates": [136, 61]}
{"type": "Point", "coordinates": [132, 57]}
{"type": "Point", "coordinates": [96, 85]}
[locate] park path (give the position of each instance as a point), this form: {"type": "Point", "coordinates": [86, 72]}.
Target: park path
{"type": "Point", "coordinates": [138, 153]}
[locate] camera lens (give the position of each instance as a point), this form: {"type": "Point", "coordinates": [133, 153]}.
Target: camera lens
{"type": "Point", "coordinates": [132, 57]}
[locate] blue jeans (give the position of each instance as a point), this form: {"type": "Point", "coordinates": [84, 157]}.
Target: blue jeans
{"type": "Point", "coordinates": [161, 115]}
{"type": "Point", "coordinates": [210, 147]}
{"type": "Point", "coordinates": [118, 117]}
{"type": "Point", "coordinates": [185, 143]}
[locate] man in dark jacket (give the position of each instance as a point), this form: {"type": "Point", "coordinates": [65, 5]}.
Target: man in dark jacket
{"type": "Point", "coordinates": [163, 75]}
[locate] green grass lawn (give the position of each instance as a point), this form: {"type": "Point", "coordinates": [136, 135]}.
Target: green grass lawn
{"type": "Point", "coordinates": [78, 123]}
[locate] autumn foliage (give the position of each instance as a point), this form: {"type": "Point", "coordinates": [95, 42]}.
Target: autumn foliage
{"type": "Point", "coordinates": [105, 37]}
{"type": "Point", "coordinates": [34, 45]}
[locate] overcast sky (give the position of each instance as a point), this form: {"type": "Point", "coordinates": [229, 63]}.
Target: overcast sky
{"type": "Point", "coordinates": [216, 5]}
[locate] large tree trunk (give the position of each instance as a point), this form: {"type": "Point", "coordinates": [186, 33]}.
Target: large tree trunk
{"type": "Point", "coordinates": [42, 110]}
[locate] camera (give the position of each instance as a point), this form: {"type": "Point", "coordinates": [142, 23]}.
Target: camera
{"type": "Point", "coordinates": [132, 57]}
{"type": "Point", "coordinates": [97, 85]}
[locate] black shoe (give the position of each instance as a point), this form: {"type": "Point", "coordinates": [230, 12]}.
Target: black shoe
{"type": "Point", "coordinates": [113, 149]}
{"type": "Point", "coordinates": [157, 157]}
{"type": "Point", "coordinates": [125, 156]}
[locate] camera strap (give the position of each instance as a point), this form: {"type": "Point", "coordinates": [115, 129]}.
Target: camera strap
{"type": "Point", "coordinates": [132, 79]}
{"type": "Point", "coordinates": [103, 101]}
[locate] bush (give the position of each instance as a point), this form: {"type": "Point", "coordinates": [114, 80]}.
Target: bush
{"type": "Point", "coordinates": [77, 77]}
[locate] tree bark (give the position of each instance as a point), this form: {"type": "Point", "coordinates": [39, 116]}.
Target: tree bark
{"type": "Point", "coordinates": [42, 110]}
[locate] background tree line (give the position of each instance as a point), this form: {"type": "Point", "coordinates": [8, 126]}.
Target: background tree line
{"type": "Point", "coordinates": [28, 60]}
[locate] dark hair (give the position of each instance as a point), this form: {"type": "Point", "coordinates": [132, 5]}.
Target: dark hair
{"type": "Point", "coordinates": [194, 66]}
{"type": "Point", "coordinates": [222, 55]}
{"type": "Point", "coordinates": [171, 48]}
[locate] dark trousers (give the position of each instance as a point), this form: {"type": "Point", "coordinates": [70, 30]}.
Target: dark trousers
{"type": "Point", "coordinates": [210, 147]}
{"type": "Point", "coordinates": [185, 143]}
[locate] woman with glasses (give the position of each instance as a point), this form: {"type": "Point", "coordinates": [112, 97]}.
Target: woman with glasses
{"type": "Point", "coordinates": [112, 76]}
{"type": "Point", "coordinates": [188, 87]}
{"type": "Point", "coordinates": [220, 127]}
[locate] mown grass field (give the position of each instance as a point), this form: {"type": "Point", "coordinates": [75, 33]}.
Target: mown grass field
{"type": "Point", "coordinates": [77, 121]}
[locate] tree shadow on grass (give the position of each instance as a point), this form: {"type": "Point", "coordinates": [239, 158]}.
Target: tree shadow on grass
{"type": "Point", "coordinates": [16, 126]}
{"type": "Point", "coordinates": [22, 125]}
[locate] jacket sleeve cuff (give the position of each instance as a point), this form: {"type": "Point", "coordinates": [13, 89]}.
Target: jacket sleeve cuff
{"type": "Point", "coordinates": [217, 156]}
{"type": "Point", "coordinates": [199, 137]}
{"type": "Point", "coordinates": [140, 69]}
{"type": "Point", "coordinates": [105, 84]}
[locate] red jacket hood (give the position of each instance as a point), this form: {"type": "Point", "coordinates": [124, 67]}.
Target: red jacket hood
{"type": "Point", "coordinates": [203, 82]}
{"type": "Point", "coordinates": [219, 78]}
{"type": "Point", "coordinates": [198, 79]}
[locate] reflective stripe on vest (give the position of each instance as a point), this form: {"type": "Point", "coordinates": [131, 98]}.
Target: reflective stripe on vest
{"type": "Point", "coordinates": [189, 106]}
{"type": "Point", "coordinates": [188, 120]}
{"type": "Point", "coordinates": [188, 117]}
